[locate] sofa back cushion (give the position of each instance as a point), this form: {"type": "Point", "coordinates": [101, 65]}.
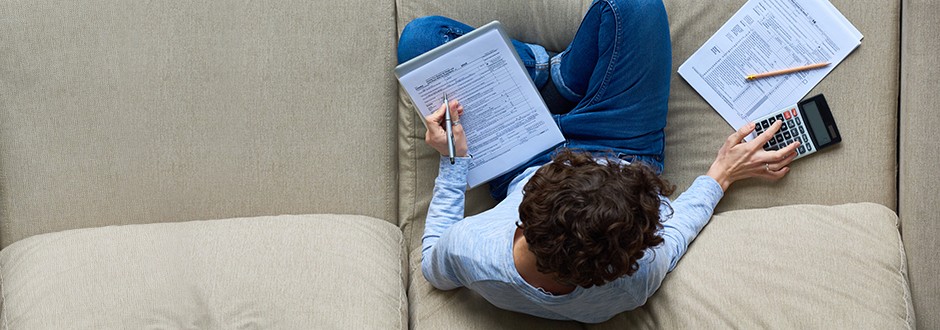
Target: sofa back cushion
{"type": "Point", "coordinates": [120, 112]}
{"type": "Point", "coordinates": [862, 91]}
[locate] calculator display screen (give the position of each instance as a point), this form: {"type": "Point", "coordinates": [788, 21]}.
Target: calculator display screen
{"type": "Point", "coordinates": [815, 121]}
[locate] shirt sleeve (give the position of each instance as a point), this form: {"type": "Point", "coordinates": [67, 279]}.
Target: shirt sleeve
{"type": "Point", "coordinates": [691, 211]}
{"type": "Point", "coordinates": [446, 209]}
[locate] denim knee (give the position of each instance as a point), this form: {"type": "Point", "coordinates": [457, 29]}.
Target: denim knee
{"type": "Point", "coordinates": [426, 33]}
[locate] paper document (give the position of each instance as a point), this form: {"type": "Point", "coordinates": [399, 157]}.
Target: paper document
{"type": "Point", "coordinates": [505, 119]}
{"type": "Point", "coordinates": [764, 36]}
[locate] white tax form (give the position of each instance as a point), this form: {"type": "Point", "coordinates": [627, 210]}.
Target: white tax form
{"type": "Point", "coordinates": [763, 36]}
{"type": "Point", "coordinates": [505, 119]}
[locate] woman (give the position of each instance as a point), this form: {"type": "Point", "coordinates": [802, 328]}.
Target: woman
{"type": "Point", "coordinates": [581, 235]}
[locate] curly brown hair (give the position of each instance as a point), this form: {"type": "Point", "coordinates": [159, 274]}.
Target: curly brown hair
{"type": "Point", "coordinates": [588, 222]}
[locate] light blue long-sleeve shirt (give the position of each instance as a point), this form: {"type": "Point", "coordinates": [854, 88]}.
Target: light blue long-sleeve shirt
{"type": "Point", "coordinates": [476, 252]}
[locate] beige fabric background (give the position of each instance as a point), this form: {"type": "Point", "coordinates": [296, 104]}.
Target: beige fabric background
{"type": "Point", "coordinates": [920, 154]}
{"type": "Point", "coordinates": [791, 267]}
{"type": "Point", "coordinates": [285, 272]}
{"type": "Point", "coordinates": [138, 111]}
{"type": "Point", "coordinates": [863, 100]}
{"type": "Point", "coordinates": [431, 308]}
{"type": "Point", "coordinates": [839, 267]}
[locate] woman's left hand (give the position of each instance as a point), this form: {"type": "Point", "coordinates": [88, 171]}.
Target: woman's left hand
{"type": "Point", "coordinates": [739, 160]}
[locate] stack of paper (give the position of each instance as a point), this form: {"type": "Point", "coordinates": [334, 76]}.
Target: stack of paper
{"type": "Point", "coordinates": [505, 119]}
{"type": "Point", "coordinates": [763, 36]}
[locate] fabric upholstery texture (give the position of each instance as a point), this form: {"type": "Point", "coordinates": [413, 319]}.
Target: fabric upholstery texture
{"type": "Point", "coordinates": [431, 308]}
{"type": "Point", "coordinates": [862, 169]}
{"type": "Point", "coordinates": [115, 112]}
{"type": "Point", "coordinates": [799, 266]}
{"type": "Point", "coordinates": [787, 267]}
{"type": "Point", "coordinates": [285, 272]}
{"type": "Point", "coordinates": [920, 154]}
{"type": "Point", "coordinates": [119, 112]}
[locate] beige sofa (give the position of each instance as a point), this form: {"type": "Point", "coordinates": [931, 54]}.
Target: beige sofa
{"type": "Point", "coordinates": [125, 126]}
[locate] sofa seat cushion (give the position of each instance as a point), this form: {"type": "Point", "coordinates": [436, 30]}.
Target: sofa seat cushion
{"type": "Point", "coordinates": [787, 267]}
{"type": "Point", "coordinates": [294, 272]}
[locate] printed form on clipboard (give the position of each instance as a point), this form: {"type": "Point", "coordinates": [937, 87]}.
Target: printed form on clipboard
{"type": "Point", "coordinates": [764, 36]}
{"type": "Point", "coordinates": [505, 119]}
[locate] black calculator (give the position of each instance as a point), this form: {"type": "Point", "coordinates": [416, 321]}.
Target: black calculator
{"type": "Point", "coordinates": [810, 122]}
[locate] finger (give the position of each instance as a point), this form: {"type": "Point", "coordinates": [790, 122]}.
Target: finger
{"type": "Point", "coordinates": [777, 175]}
{"type": "Point", "coordinates": [457, 129]}
{"type": "Point", "coordinates": [433, 120]}
{"type": "Point", "coordinates": [780, 155]}
{"type": "Point", "coordinates": [769, 133]}
{"type": "Point", "coordinates": [438, 115]}
{"type": "Point", "coordinates": [736, 137]}
{"type": "Point", "coordinates": [789, 150]}
{"type": "Point", "coordinates": [455, 110]}
{"type": "Point", "coordinates": [774, 167]}
{"type": "Point", "coordinates": [766, 173]}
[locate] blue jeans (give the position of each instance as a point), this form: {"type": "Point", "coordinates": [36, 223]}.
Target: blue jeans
{"type": "Point", "coordinates": [617, 70]}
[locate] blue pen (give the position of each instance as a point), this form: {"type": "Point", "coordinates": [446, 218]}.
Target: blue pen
{"type": "Point", "coordinates": [450, 132]}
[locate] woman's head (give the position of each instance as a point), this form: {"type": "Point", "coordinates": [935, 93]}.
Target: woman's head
{"type": "Point", "coordinates": [588, 222]}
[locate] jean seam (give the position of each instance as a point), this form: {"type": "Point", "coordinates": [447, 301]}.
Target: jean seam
{"type": "Point", "coordinates": [540, 61]}
{"type": "Point", "coordinates": [613, 57]}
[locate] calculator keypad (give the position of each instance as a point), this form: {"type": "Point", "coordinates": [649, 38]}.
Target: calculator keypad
{"type": "Point", "coordinates": [792, 130]}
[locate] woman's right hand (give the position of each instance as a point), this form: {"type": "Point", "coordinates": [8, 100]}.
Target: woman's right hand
{"type": "Point", "coordinates": [436, 136]}
{"type": "Point", "coordinates": [739, 160]}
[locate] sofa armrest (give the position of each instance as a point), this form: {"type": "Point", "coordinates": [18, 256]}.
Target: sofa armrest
{"type": "Point", "coordinates": [919, 155]}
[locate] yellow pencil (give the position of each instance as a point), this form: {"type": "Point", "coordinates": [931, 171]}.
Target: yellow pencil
{"type": "Point", "coordinates": [785, 71]}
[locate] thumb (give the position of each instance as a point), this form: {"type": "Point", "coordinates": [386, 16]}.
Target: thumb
{"type": "Point", "coordinates": [433, 120]}
{"type": "Point", "coordinates": [739, 135]}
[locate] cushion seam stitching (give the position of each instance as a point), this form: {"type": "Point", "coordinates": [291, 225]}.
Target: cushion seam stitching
{"type": "Point", "coordinates": [905, 286]}
{"type": "Point", "coordinates": [3, 309]}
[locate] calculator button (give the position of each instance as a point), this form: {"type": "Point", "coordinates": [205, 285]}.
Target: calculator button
{"type": "Point", "coordinates": [791, 123]}
{"type": "Point", "coordinates": [786, 115]}
{"type": "Point", "coordinates": [802, 130]}
{"type": "Point", "coordinates": [772, 120]}
{"type": "Point", "coordinates": [809, 147]}
{"type": "Point", "coordinates": [793, 112]}
{"type": "Point", "coordinates": [798, 122]}
{"type": "Point", "coordinates": [798, 139]}
{"type": "Point", "coordinates": [787, 135]}
{"type": "Point", "coordinates": [779, 117]}
{"type": "Point", "coordinates": [773, 140]}
{"type": "Point", "coordinates": [765, 124]}
{"type": "Point", "coordinates": [788, 142]}
{"type": "Point", "coordinates": [802, 149]}
{"type": "Point", "coordinates": [784, 126]}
